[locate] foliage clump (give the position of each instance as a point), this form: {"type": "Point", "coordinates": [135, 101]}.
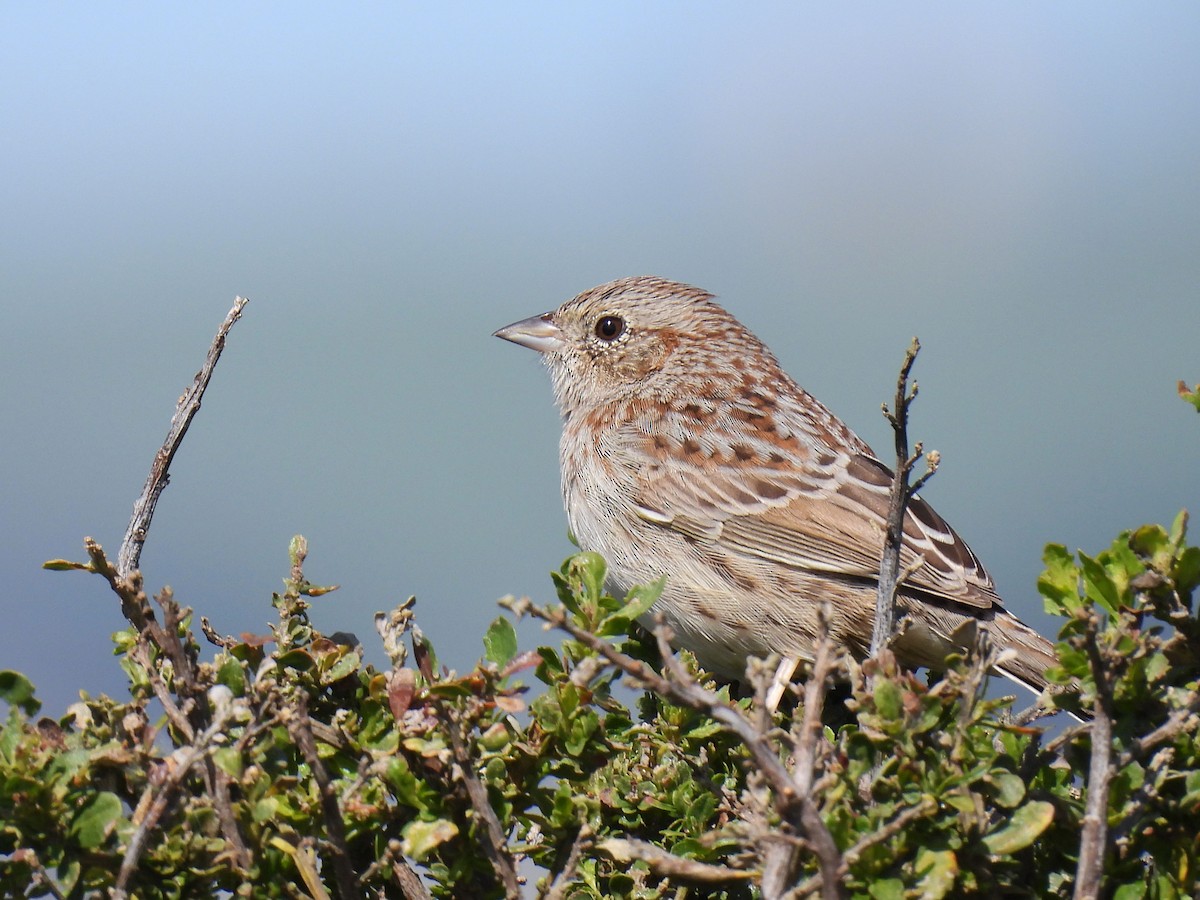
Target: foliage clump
{"type": "Point", "coordinates": [281, 765]}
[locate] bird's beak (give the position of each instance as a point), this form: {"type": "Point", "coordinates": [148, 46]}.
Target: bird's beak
{"type": "Point", "coordinates": [537, 333]}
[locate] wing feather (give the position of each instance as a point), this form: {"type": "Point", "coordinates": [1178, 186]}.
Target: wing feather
{"type": "Point", "coordinates": [821, 513]}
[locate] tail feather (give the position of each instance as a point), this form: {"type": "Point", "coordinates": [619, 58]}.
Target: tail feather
{"type": "Point", "coordinates": [1025, 654]}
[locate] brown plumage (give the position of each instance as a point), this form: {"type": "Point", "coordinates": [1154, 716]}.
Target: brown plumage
{"type": "Point", "coordinates": [688, 452]}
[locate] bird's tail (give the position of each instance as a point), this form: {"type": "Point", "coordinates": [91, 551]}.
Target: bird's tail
{"type": "Point", "coordinates": [1025, 654]}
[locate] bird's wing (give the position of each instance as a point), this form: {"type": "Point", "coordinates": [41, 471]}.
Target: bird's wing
{"type": "Point", "coordinates": [816, 510]}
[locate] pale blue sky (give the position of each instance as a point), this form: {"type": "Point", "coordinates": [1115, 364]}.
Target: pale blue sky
{"type": "Point", "coordinates": [389, 183]}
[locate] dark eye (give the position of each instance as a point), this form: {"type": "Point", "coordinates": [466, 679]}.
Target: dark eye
{"type": "Point", "coordinates": [609, 328]}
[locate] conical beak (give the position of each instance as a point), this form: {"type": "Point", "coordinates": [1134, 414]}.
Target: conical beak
{"type": "Point", "coordinates": [537, 333]}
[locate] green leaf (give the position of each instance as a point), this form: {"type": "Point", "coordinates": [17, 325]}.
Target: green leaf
{"type": "Point", "coordinates": [1179, 528]}
{"type": "Point", "coordinates": [938, 870]}
{"type": "Point", "coordinates": [1026, 824]}
{"type": "Point", "coordinates": [1152, 542]}
{"type": "Point", "coordinates": [592, 570]}
{"type": "Point", "coordinates": [65, 565]}
{"type": "Point", "coordinates": [886, 889]}
{"type": "Point", "coordinates": [566, 596]}
{"type": "Point", "coordinates": [17, 690]}
{"type": "Point", "coordinates": [1134, 890]}
{"type": "Point", "coordinates": [639, 600]}
{"type": "Point", "coordinates": [1008, 788]}
{"type": "Point", "coordinates": [580, 583]}
{"type": "Point", "coordinates": [500, 642]}
{"type": "Point", "coordinates": [229, 759]}
{"type": "Point", "coordinates": [420, 838]}
{"type": "Point", "coordinates": [346, 665]}
{"type": "Point", "coordinates": [233, 676]}
{"type": "Point", "coordinates": [1187, 570]}
{"type": "Point", "coordinates": [1059, 582]}
{"type": "Point", "coordinates": [888, 699]}
{"type": "Point", "coordinates": [581, 731]}
{"type": "Point", "coordinates": [295, 659]}
{"type": "Point", "coordinates": [96, 820]}
{"type": "Point", "coordinates": [1098, 585]}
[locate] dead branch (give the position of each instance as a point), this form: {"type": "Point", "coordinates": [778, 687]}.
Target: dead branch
{"type": "Point", "coordinates": [495, 846]}
{"type": "Point", "coordinates": [902, 492]}
{"type": "Point", "coordinates": [562, 881]}
{"type": "Point", "coordinates": [156, 481]}
{"type": "Point", "coordinates": [798, 810]}
{"type": "Point", "coordinates": [668, 865]}
{"type": "Point", "coordinates": [410, 882]}
{"type": "Point", "coordinates": [178, 766]}
{"type": "Point", "coordinates": [1093, 842]}
{"type": "Point", "coordinates": [299, 726]}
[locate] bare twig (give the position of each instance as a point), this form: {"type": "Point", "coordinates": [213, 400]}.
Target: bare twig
{"type": "Point", "coordinates": [410, 882]}
{"type": "Point", "coordinates": [926, 807]}
{"type": "Point", "coordinates": [1093, 842]}
{"type": "Point", "coordinates": [562, 881]}
{"type": "Point", "coordinates": [625, 850]}
{"type": "Point", "coordinates": [794, 807]}
{"type": "Point", "coordinates": [300, 728]}
{"type": "Point", "coordinates": [779, 869]}
{"type": "Point", "coordinates": [829, 857]}
{"type": "Point", "coordinates": [1185, 718]}
{"type": "Point", "coordinates": [902, 492]}
{"type": "Point", "coordinates": [41, 878]}
{"type": "Point", "coordinates": [156, 481]}
{"type": "Point", "coordinates": [217, 640]}
{"type": "Point", "coordinates": [140, 653]}
{"type": "Point", "coordinates": [179, 765]}
{"type": "Point", "coordinates": [1146, 793]}
{"type": "Point", "coordinates": [495, 846]}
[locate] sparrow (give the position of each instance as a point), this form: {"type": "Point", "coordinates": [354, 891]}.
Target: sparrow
{"type": "Point", "coordinates": [687, 452]}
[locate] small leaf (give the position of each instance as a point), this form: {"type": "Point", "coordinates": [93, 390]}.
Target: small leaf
{"type": "Point", "coordinates": [346, 665]}
{"type": "Point", "coordinates": [888, 700]}
{"type": "Point", "coordinates": [65, 565]}
{"type": "Point", "coordinates": [401, 688]}
{"type": "Point", "coordinates": [295, 659]}
{"type": "Point", "coordinates": [229, 759]}
{"type": "Point", "coordinates": [420, 838]}
{"type": "Point", "coordinates": [886, 889]}
{"type": "Point", "coordinates": [1187, 570]}
{"type": "Point", "coordinates": [939, 869]}
{"type": "Point", "coordinates": [1059, 583]}
{"type": "Point", "coordinates": [1134, 890]}
{"type": "Point", "coordinates": [592, 570]}
{"type": "Point", "coordinates": [232, 676]}
{"type": "Point", "coordinates": [1026, 824]}
{"type": "Point", "coordinates": [500, 642]}
{"type": "Point", "coordinates": [527, 660]}
{"type": "Point", "coordinates": [1008, 788]}
{"type": "Point", "coordinates": [96, 820]}
{"type": "Point", "coordinates": [639, 599]}
{"type": "Point", "coordinates": [316, 590]}
{"type": "Point", "coordinates": [509, 703]}
{"type": "Point", "coordinates": [17, 690]}
{"type": "Point", "coordinates": [424, 654]}
{"type": "Point", "coordinates": [1192, 397]}
{"type": "Point", "coordinates": [1098, 585]}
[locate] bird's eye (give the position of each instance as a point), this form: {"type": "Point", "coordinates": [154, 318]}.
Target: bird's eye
{"type": "Point", "coordinates": [609, 328]}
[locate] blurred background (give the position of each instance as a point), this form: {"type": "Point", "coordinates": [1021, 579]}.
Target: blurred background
{"type": "Point", "coordinates": [389, 183]}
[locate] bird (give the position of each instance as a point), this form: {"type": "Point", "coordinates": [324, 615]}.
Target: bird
{"type": "Point", "coordinates": [687, 452]}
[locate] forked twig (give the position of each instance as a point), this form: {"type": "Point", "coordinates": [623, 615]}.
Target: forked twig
{"type": "Point", "coordinates": [794, 806]}
{"type": "Point", "coordinates": [902, 492]}
{"type": "Point", "coordinates": [492, 839]}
